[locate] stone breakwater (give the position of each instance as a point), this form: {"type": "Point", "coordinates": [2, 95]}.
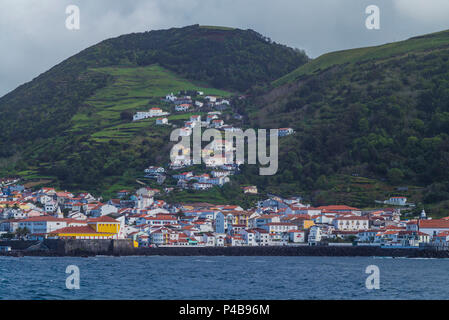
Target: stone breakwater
{"type": "Point", "coordinates": [82, 248]}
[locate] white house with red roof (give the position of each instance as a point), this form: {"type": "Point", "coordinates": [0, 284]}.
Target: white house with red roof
{"type": "Point", "coordinates": [161, 121]}
{"type": "Point", "coordinates": [45, 224]}
{"type": "Point", "coordinates": [367, 235]}
{"type": "Point", "coordinates": [183, 176]}
{"type": "Point", "coordinates": [211, 117]}
{"type": "Point", "coordinates": [264, 219]}
{"type": "Point", "coordinates": [217, 123]}
{"type": "Point", "coordinates": [249, 237]}
{"type": "Point", "coordinates": [434, 226]}
{"type": "Point", "coordinates": [185, 131]}
{"type": "Point", "coordinates": [195, 118]}
{"type": "Point", "coordinates": [208, 239]}
{"type": "Point", "coordinates": [441, 238]}
{"type": "Point", "coordinates": [159, 220]}
{"type": "Point", "coordinates": [351, 223]}
{"type": "Point", "coordinates": [102, 210]}
{"type": "Point", "coordinates": [279, 227]}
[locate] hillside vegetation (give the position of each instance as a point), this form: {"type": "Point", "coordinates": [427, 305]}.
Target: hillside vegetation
{"type": "Point", "coordinates": [380, 113]}
{"type": "Point", "coordinates": [71, 124]}
{"type": "Point", "coordinates": [230, 59]}
{"type": "Point", "coordinates": [367, 120]}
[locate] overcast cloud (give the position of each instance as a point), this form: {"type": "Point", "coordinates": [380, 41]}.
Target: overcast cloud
{"type": "Point", "coordinates": [33, 35]}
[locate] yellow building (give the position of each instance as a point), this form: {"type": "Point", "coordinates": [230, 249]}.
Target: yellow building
{"type": "Point", "coordinates": [96, 228]}
{"type": "Point", "coordinates": [241, 217]}
{"type": "Point", "coordinates": [304, 223]}
{"type": "Point", "coordinates": [104, 224]}
{"type": "Point", "coordinates": [15, 204]}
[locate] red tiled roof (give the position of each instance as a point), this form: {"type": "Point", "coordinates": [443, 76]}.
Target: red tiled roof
{"type": "Point", "coordinates": [440, 223]}
{"type": "Point", "coordinates": [280, 224]}
{"type": "Point", "coordinates": [352, 218]}
{"type": "Point", "coordinates": [80, 229]}
{"type": "Point", "coordinates": [103, 219]}
{"type": "Point", "coordinates": [337, 207]}
{"type": "Point", "coordinates": [44, 218]}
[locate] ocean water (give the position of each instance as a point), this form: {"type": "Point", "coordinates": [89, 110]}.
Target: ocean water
{"type": "Point", "coordinates": [161, 277]}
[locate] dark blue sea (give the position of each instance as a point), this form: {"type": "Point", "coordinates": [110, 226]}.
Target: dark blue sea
{"type": "Point", "coordinates": [160, 277]}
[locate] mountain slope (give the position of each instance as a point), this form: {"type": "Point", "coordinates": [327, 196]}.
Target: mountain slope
{"type": "Point", "coordinates": [69, 123]}
{"type": "Point", "coordinates": [353, 56]}
{"type": "Point", "coordinates": [223, 58]}
{"type": "Point", "coordinates": [379, 112]}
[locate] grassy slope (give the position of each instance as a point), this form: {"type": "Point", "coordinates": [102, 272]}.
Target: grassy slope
{"type": "Point", "coordinates": [133, 89]}
{"type": "Point", "coordinates": [353, 56]}
{"type": "Point", "coordinates": [65, 124]}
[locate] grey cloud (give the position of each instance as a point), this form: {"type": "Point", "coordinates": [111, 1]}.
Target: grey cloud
{"type": "Point", "coordinates": [33, 36]}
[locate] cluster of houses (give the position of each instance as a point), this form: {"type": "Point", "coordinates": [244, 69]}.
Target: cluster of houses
{"type": "Point", "coordinates": [203, 181]}
{"type": "Point", "coordinates": [7, 181]}
{"type": "Point", "coordinates": [188, 180]}
{"type": "Point", "coordinates": [185, 103]}
{"type": "Point", "coordinates": [211, 121]}
{"type": "Point", "coordinates": [138, 215]}
{"type": "Point", "coordinates": [216, 154]}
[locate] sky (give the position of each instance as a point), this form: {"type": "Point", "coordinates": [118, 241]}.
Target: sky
{"type": "Point", "coordinates": [34, 36]}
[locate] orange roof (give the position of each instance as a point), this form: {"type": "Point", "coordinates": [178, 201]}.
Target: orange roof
{"type": "Point", "coordinates": [102, 219]}
{"type": "Point", "coordinates": [161, 217]}
{"type": "Point", "coordinates": [44, 218]}
{"type": "Point", "coordinates": [337, 207]}
{"type": "Point", "coordinates": [440, 223]}
{"type": "Point", "coordinates": [267, 216]}
{"type": "Point", "coordinates": [79, 229]}
{"type": "Point", "coordinates": [352, 218]}
{"type": "Point", "coordinates": [280, 224]}
{"type": "Point", "coordinates": [391, 232]}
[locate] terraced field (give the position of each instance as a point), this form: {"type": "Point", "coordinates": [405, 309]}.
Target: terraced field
{"type": "Point", "coordinates": [132, 89]}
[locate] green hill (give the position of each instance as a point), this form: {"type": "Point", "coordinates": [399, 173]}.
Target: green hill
{"type": "Point", "coordinates": [361, 55]}
{"type": "Point", "coordinates": [367, 120]}
{"type": "Point", "coordinates": [71, 123]}
{"type": "Point", "coordinates": [381, 113]}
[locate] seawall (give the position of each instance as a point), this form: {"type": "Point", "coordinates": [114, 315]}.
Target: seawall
{"type": "Point", "coordinates": [125, 248]}
{"type": "Point", "coordinates": [350, 251]}
{"type": "Point", "coordinates": [70, 247]}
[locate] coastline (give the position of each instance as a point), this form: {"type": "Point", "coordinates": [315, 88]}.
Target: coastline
{"type": "Point", "coordinates": [86, 248]}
